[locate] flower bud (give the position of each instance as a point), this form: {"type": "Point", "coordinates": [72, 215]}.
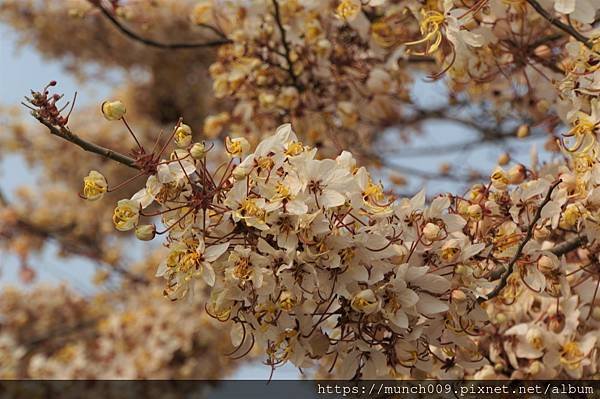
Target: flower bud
{"type": "Point", "coordinates": [459, 296]}
{"type": "Point", "coordinates": [596, 313]}
{"type": "Point", "coordinates": [546, 264]}
{"type": "Point", "coordinates": [542, 233]}
{"type": "Point", "coordinates": [431, 231]}
{"type": "Point", "coordinates": [523, 131]}
{"type": "Point", "coordinates": [183, 135]}
{"type": "Point", "coordinates": [535, 368]}
{"type": "Point", "coordinates": [145, 232]}
{"type": "Point", "coordinates": [198, 150]}
{"type": "Point", "coordinates": [517, 174]}
{"type": "Point", "coordinates": [557, 324]}
{"type": "Point", "coordinates": [500, 318]}
{"type": "Point", "coordinates": [113, 110]}
{"type": "Point", "coordinates": [543, 51]}
{"type": "Point", "coordinates": [503, 159]}
{"type": "Point", "coordinates": [240, 172]}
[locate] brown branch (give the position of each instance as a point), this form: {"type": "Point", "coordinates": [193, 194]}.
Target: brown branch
{"type": "Point", "coordinates": [558, 250]}
{"type": "Point", "coordinates": [559, 24]}
{"type": "Point", "coordinates": [286, 46]}
{"type": "Point", "coordinates": [515, 258]}
{"type": "Point", "coordinates": [66, 134]}
{"type": "Point", "coordinates": [60, 333]}
{"type": "Point", "coordinates": [153, 43]}
{"type": "Point", "coordinates": [569, 245]}
{"type": "Point", "coordinates": [3, 199]}
{"type": "Point", "coordinates": [87, 250]}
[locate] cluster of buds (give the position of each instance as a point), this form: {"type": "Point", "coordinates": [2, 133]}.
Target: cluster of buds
{"type": "Point", "coordinates": [44, 106]}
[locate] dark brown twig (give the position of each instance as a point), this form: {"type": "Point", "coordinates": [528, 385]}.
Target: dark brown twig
{"type": "Point", "coordinates": [569, 245]}
{"type": "Point", "coordinates": [66, 134]}
{"type": "Point", "coordinates": [559, 24]}
{"type": "Point", "coordinates": [153, 43]}
{"type": "Point", "coordinates": [515, 258]}
{"type": "Point", "coordinates": [286, 46]}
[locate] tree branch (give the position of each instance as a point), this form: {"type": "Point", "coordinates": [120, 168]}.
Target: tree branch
{"type": "Point", "coordinates": [286, 47]}
{"type": "Point", "coordinates": [153, 43]}
{"type": "Point", "coordinates": [81, 250]}
{"type": "Point", "coordinates": [515, 258]}
{"type": "Point", "coordinates": [3, 199]}
{"type": "Point", "coordinates": [559, 24]}
{"type": "Point", "coordinates": [569, 245]}
{"type": "Point", "coordinates": [66, 134]}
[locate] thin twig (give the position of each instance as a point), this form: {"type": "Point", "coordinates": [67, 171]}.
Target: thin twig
{"type": "Point", "coordinates": [60, 332]}
{"type": "Point", "coordinates": [560, 249]}
{"type": "Point", "coordinates": [86, 250]}
{"type": "Point", "coordinates": [3, 199]}
{"type": "Point", "coordinates": [66, 134]}
{"type": "Point", "coordinates": [153, 43]}
{"type": "Point", "coordinates": [286, 47]}
{"type": "Point", "coordinates": [515, 258]}
{"type": "Point", "coordinates": [559, 24]}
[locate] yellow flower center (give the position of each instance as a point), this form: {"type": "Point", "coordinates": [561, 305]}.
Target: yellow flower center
{"type": "Point", "coordinates": [287, 302]}
{"type": "Point", "coordinates": [583, 132]}
{"type": "Point", "coordinates": [250, 209]}
{"type": "Point", "coordinates": [241, 271]}
{"type": "Point", "coordinates": [347, 9]}
{"type": "Point", "coordinates": [450, 253]}
{"type": "Point", "coordinates": [234, 148]}
{"type": "Point", "coordinates": [265, 163]}
{"type": "Point", "coordinates": [430, 29]}
{"type": "Point", "coordinates": [123, 215]}
{"type": "Point", "coordinates": [282, 191]}
{"type": "Point", "coordinates": [571, 355]}
{"type": "Point", "coordinates": [294, 149]}
{"type": "Point", "coordinates": [91, 188]}
{"type": "Point", "coordinates": [373, 192]}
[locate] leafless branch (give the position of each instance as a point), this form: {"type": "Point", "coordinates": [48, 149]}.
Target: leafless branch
{"type": "Point", "coordinates": [569, 245]}
{"type": "Point", "coordinates": [286, 46]}
{"type": "Point", "coordinates": [153, 43]}
{"type": "Point", "coordinates": [515, 258]}
{"type": "Point", "coordinates": [559, 24]}
{"type": "Point", "coordinates": [66, 134]}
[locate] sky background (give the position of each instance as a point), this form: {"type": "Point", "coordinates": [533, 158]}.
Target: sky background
{"type": "Point", "coordinates": [22, 69]}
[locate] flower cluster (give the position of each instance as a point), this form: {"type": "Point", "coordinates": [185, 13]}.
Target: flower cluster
{"type": "Point", "coordinates": [313, 261]}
